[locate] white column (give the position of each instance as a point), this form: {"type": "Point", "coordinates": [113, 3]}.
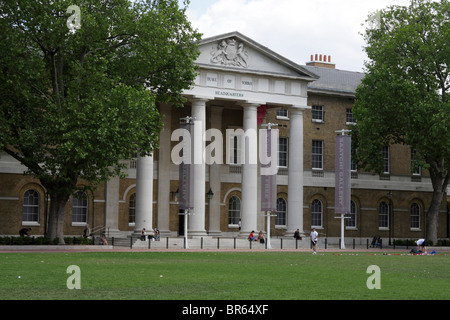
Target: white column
{"type": "Point", "coordinates": [164, 163]}
{"type": "Point", "coordinates": [295, 174]}
{"type": "Point", "coordinates": [197, 219]}
{"type": "Point", "coordinates": [249, 201]}
{"type": "Point", "coordinates": [112, 207]}
{"type": "Point", "coordinates": [144, 195]}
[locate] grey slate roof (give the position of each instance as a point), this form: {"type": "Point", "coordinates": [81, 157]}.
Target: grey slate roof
{"type": "Point", "coordinates": [334, 81]}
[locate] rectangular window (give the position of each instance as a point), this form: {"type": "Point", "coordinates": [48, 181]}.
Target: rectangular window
{"type": "Point", "coordinates": [282, 114]}
{"type": "Point", "coordinates": [417, 171]}
{"type": "Point", "coordinates": [318, 114]}
{"type": "Point", "coordinates": [383, 216]}
{"type": "Point", "coordinates": [415, 216]}
{"type": "Point", "coordinates": [79, 207]}
{"type": "Point", "coordinates": [349, 116]}
{"type": "Point", "coordinates": [317, 154]}
{"type": "Point", "coordinates": [234, 152]}
{"type": "Point", "coordinates": [30, 208]}
{"type": "Point", "coordinates": [283, 152]}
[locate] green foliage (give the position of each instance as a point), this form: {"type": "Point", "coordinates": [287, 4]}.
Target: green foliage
{"type": "Point", "coordinates": [75, 102]}
{"type": "Point", "coordinates": [37, 241]}
{"type": "Point", "coordinates": [404, 97]}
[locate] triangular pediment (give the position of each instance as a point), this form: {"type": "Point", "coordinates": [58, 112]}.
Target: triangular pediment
{"type": "Point", "coordinates": [234, 51]}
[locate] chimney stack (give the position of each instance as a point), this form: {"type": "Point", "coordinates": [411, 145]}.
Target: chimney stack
{"type": "Point", "coordinates": [323, 61]}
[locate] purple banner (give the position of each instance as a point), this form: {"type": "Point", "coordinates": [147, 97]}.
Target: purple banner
{"type": "Point", "coordinates": [342, 167]}
{"type": "Point", "coordinates": [186, 179]}
{"type": "Point", "coordinates": [268, 181]}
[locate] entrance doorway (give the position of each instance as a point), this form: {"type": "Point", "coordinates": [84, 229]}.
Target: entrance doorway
{"type": "Point", "coordinates": [181, 222]}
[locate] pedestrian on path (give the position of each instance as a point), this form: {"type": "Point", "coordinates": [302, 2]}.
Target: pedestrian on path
{"type": "Point", "coordinates": [313, 236]}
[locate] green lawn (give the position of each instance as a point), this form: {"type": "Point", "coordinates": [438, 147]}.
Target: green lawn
{"type": "Point", "coordinates": [222, 276]}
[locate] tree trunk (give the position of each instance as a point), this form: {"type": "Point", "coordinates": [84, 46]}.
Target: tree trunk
{"type": "Point", "coordinates": [439, 178]}
{"type": "Point", "coordinates": [433, 216]}
{"type": "Point", "coordinates": [56, 216]}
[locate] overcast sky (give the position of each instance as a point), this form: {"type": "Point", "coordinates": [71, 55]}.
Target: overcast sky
{"type": "Point", "coordinates": [294, 29]}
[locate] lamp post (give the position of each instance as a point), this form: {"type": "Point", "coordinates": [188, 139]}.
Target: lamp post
{"type": "Point", "coordinates": [209, 195]}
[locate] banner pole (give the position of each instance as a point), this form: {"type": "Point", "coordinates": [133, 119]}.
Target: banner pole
{"type": "Point", "coordinates": [343, 176]}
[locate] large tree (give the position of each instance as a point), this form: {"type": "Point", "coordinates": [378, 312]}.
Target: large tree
{"type": "Point", "coordinates": [79, 86]}
{"type": "Point", "coordinates": [404, 97]}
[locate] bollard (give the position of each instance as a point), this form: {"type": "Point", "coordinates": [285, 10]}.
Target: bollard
{"type": "Point", "coordinates": [353, 243]}
{"type": "Point", "coordinates": [234, 242]}
{"type": "Point", "coordinates": [326, 243]}
{"type": "Point", "coordinates": [167, 243]}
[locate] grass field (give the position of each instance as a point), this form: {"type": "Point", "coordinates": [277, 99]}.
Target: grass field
{"type": "Point", "coordinates": [222, 276]}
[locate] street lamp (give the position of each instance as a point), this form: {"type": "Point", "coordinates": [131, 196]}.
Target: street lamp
{"type": "Point", "coordinates": [209, 195]}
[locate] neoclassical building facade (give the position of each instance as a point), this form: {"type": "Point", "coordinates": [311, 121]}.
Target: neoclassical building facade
{"type": "Point", "coordinates": [243, 85]}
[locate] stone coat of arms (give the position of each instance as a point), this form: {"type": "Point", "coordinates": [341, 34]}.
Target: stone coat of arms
{"type": "Point", "coordinates": [230, 53]}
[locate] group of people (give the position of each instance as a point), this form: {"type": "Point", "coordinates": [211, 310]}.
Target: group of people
{"type": "Point", "coordinates": [260, 237]}
{"type": "Point", "coordinates": [155, 237]}
{"type": "Point", "coordinates": [87, 233]}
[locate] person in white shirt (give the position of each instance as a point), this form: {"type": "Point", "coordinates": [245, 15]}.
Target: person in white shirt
{"type": "Point", "coordinates": [421, 243]}
{"type": "Point", "coordinates": [313, 237]}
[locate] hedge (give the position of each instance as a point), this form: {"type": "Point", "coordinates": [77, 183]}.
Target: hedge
{"type": "Point", "coordinates": [43, 241]}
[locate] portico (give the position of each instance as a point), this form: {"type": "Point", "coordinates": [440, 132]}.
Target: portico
{"type": "Point", "coordinates": [236, 77]}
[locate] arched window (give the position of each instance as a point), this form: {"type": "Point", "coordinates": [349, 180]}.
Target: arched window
{"type": "Point", "coordinates": [316, 213]}
{"type": "Point", "coordinates": [383, 215]}
{"type": "Point", "coordinates": [351, 221]}
{"type": "Point", "coordinates": [280, 219]}
{"type": "Point", "coordinates": [234, 210]}
{"type": "Point", "coordinates": [30, 207]}
{"type": "Point", "coordinates": [79, 207]}
{"type": "Point", "coordinates": [415, 216]}
{"type": "Point", "coordinates": [132, 209]}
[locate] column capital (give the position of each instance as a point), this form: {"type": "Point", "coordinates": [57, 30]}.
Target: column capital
{"type": "Point", "coordinates": [250, 105]}
{"type": "Point", "coordinates": [298, 108]}
{"type": "Point", "coordinates": [197, 99]}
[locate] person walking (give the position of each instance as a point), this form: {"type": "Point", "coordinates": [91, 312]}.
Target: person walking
{"type": "Point", "coordinates": [313, 236]}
